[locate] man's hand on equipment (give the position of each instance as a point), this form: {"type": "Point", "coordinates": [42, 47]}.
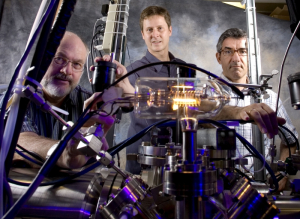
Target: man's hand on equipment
{"type": "Point", "coordinates": [121, 71]}
{"type": "Point", "coordinates": [264, 117]}
{"type": "Point", "coordinates": [99, 118]}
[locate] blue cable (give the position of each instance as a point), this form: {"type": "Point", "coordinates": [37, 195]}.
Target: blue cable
{"type": "Point", "coordinates": [31, 153]}
{"type": "Point", "coordinates": [125, 143]}
{"type": "Point", "coordinates": [28, 158]}
{"type": "Point", "coordinates": [15, 75]}
{"type": "Point", "coordinates": [136, 137]}
{"type": "Point", "coordinates": [18, 67]}
{"type": "Point", "coordinates": [45, 168]}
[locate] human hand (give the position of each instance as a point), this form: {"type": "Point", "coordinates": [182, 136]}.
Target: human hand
{"type": "Point", "coordinates": [120, 71]}
{"type": "Point", "coordinates": [99, 118]}
{"type": "Point", "coordinates": [282, 183]}
{"type": "Point", "coordinates": [263, 116]}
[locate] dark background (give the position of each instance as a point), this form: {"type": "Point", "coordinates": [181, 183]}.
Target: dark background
{"type": "Point", "coordinates": [197, 25]}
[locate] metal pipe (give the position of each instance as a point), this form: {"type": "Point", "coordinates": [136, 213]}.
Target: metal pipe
{"type": "Point", "coordinates": [194, 208]}
{"type": "Point", "coordinates": [189, 146]}
{"type": "Point", "coordinates": [77, 199]}
{"type": "Point", "coordinates": [179, 208]}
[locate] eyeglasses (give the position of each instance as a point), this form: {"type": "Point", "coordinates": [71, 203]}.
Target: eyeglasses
{"type": "Point", "coordinates": [77, 66]}
{"type": "Point", "coordinates": [230, 52]}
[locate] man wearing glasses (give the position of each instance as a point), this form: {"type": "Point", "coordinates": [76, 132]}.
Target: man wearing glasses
{"type": "Point", "coordinates": [232, 55]}
{"type": "Point", "coordinates": [40, 131]}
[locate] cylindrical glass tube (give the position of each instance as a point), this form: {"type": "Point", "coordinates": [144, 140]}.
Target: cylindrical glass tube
{"type": "Point", "coordinates": [159, 97]}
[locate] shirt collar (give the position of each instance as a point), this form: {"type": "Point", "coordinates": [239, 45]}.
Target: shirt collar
{"type": "Point", "coordinates": [69, 98]}
{"type": "Point", "coordinates": [151, 58]}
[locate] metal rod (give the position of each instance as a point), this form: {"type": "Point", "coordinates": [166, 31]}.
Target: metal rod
{"type": "Point", "coordinates": [189, 146]}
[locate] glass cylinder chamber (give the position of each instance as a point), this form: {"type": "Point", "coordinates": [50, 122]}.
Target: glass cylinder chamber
{"type": "Point", "coordinates": [163, 97]}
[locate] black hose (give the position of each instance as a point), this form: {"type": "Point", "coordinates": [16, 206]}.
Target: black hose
{"type": "Point", "coordinates": [289, 146]}
{"type": "Point", "coordinates": [294, 136]}
{"type": "Point", "coordinates": [244, 175]}
{"type": "Point", "coordinates": [31, 153]}
{"type": "Point", "coordinates": [134, 138]}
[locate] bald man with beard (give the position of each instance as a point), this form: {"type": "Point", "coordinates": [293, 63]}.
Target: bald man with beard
{"type": "Point", "coordinates": [40, 131]}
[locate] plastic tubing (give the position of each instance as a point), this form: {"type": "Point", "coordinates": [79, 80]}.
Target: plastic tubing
{"type": "Point", "coordinates": [28, 158]}
{"type": "Point", "coordinates": [255, 171]}
{"type": "Point", "coordinates": [12, 117]}
{"type": "Point", "coordinates": [13, 211]}
{"type": "Point", "coordinates": [4, 141]}
{"type": "Point", "coordinates": [112, 152]}
{"type": "Point", "coordinates": [294, 136]}
{"type": "Point", "coordinates": [136, 137]}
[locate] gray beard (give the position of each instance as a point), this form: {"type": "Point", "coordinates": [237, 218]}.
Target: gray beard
{"type": "Point", "coordinates": [54, 90]}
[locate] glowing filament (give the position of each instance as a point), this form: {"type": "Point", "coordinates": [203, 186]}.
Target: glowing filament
{"type": "Point", "coordinates": [182, 86]}
{"type": "Point", "coordinates": [185, 101]}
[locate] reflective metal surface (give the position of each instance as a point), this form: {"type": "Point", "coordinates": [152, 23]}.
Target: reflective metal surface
{"type": "Point", "coordinates": [76, 199]}
{"type": "Point", "coordinates": [287, 205]}
{"type": "Point", "coordinates": [153, 161]}
{"type": "Point", "coordinates": [190, 184]}
{"type": "Point", "coordinates": [154, 151]}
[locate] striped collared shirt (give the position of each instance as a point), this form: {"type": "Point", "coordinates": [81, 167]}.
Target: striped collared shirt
{"type": "Point", "coordinates": [45, 125]}
{"type": "Point", "coordinates": [246, 129]}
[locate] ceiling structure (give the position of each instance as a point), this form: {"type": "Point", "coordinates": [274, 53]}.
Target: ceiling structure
{"type": "Point", "coordinates": [273, 8]}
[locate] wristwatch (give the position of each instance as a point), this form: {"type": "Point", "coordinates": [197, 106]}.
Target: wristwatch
{"type": "Point", "coordinates": [50, 151]}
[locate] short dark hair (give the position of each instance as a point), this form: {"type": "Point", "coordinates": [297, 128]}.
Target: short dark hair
{"type": "Point", "coordinates": [155, 10]}
{"type": "Point", "coordinates": [230, 33]}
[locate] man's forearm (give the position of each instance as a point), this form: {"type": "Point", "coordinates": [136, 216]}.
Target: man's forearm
{"type": "Point", "coordinates": [40, 145]}
{"type": "Point", "coordinates": [33, 142]}
{"type": "Point", "coordinates": [126, 86]}
{"type": "Point", "coordinates": [228, 113]}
